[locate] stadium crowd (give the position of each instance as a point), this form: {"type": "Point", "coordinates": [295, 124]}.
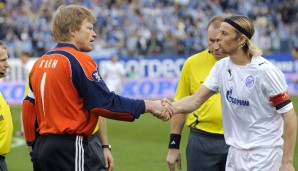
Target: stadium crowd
{"type": "Point", "coordinates": [148, 27]}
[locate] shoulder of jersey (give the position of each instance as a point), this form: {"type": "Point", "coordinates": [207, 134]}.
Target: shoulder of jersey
{"type": "Point", "coordinates": [197, 56]}
{"type": "Point", "coordinates": [263, 63]}
{"type": "Point", "coordinates": [225, 60]}
{"type": "Point", "coordinates": [83, 58]}
{"type": "Point", "coordinates": [87, 64]}
{"type": "Point", "coordinates": [80, 55]}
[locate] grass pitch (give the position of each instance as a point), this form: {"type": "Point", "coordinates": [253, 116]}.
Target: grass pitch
{"type": "Point", "coordinates": [137, 146]}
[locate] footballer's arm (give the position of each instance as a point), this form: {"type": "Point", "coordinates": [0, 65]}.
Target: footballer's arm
{"type": "Point", "coordinates": [289, 136]}
{"type": "Point", "coordinates": [99, 100]}
{"type": "Point", "coordinates": [284, 106]}
{"type": "Point", "coordinates": [190, 103]}
{"type": "Point", "coordinates": [29, 119]}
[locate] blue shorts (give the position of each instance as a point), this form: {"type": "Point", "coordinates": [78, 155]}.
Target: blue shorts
{"type": "Point", "coordinates": [206, 151]}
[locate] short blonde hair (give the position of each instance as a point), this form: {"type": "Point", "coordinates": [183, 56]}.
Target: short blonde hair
{"type": "Point", "coordinates": [248, 26]}
{"type": "Point", "coordinates": [69, 17]}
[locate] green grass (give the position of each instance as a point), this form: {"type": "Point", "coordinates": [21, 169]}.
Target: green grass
{"type": "Point", "coordinates": [141, 145]}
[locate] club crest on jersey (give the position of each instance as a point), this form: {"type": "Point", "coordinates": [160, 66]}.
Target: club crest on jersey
{"type": "Point", "coordinates": [95, 76]}
{"type": "Point", "coordinates": [250, 81]}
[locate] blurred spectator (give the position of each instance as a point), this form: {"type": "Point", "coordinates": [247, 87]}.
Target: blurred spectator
{"type": "Point", "coordinates": [154, 45]}
{"type": "Point", "coordinates": [294, 52]}
{"type": "Point", "coordinates": [28, 63]}
{"type": "Point", "coordinates": [113, 73]}
{"type": "Point", "coordinates": [148, 27]}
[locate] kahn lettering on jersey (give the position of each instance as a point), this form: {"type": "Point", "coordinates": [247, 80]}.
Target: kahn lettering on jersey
{"type": "Point", "coordinates": [48, 63]}
{"type": "Point", "coordinates": [234, 100]}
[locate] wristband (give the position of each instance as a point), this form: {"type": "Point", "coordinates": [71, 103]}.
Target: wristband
{"type": "Point", "coordinates": [107, 146]}
{"type": "Point", "coordinates": [175, 141]}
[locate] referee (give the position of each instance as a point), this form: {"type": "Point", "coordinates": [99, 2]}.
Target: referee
{"type": "Point", "coordinates": [6, 125]}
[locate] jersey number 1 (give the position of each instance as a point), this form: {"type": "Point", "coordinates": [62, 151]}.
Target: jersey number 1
{"type": "Point", "coordinates": [42, 85]}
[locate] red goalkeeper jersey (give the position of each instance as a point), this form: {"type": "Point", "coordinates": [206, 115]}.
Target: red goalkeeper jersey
{"type": "Point", "coordinates": [67, 95]}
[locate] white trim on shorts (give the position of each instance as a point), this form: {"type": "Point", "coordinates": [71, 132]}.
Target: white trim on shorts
{"type": "Point", "coordinates": [79, 158]}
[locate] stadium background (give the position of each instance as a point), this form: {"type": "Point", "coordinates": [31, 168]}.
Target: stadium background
{"type": "Point", "coordinates": [152, 38]}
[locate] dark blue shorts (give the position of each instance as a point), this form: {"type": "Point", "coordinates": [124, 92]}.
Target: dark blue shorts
{"type": "Point", "coordinates": [61, 152]}
{"type": "Point", "coordinates": [96, 154]}
{"type": "Point", "coordinates": [206, 151]}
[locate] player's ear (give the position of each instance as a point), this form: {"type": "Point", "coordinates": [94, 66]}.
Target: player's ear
{"type": "Point", "coordinates": [242, 39]}
{"type": "Point", "coordinates": [72, 32]}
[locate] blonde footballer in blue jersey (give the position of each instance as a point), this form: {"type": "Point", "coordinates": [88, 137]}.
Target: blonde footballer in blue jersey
{"type": "Point", "coordinates": [259, 120]}
{"type": "Point", "coordinates": [6, 125]}
{"type": "Point", "coordinates": [206, 148]}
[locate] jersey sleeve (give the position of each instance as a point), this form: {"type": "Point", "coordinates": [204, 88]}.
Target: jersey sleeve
{"type": "Point", "coordinates": [97, 97]}
{"type": "Point", "coordinates": [211, 81]}
{"type": "Point", "coordinates": [276, 89]}
{"type": "Point", "coordinates": [29, 117]}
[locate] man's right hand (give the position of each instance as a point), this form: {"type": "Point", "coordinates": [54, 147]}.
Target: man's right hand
{"type": "Point", "coordinates": [174, 157]}
{"type": "Point", "coordinates": [161, 109]}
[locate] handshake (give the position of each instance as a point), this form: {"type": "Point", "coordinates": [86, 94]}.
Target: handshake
{"type": "Point", "coordinates": [162, 109]}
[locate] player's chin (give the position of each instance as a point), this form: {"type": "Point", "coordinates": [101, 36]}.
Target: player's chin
{"type": "Point", "coordinates": [86, 49]}
{"type": "Point", "coordinates": [90, 47]}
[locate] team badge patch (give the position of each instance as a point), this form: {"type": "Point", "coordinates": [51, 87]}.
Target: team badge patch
{"type": "Point", "coordinates": [95, 76]}
{"type": "Point", "coordinates": [250, 81]}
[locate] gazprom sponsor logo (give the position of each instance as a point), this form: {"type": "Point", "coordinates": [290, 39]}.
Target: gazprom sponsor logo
{"type": "Point", "coordinates": [234, 100]}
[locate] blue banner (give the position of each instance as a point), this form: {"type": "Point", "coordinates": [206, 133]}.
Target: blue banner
{"type": "Point", "coordinates": [168, 67]}
{"type": "Point", "coordinates": [150, 88]}
{"type": "Point", "coordinates": [13, 92]}
{"type": "Point", "coordinates": [143, 88]}
{"type": "Point", "coordinates": [156, 77]}
{"type": "Point", "coordinates": [284, 61]}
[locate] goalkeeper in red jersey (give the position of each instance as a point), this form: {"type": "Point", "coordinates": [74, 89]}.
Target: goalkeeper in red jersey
{"type": "Point", "coordinates": [67, 95]}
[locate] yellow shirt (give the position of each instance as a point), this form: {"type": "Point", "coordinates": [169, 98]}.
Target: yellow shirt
{"type": "Point", "coordinates": [6, 127]}
{"type": "Point", "coordinates": [97, 127]}
{"type": "Point", "coordinates": [26, 89]}
{"type": "Point", "coordinates": [195, 70]}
